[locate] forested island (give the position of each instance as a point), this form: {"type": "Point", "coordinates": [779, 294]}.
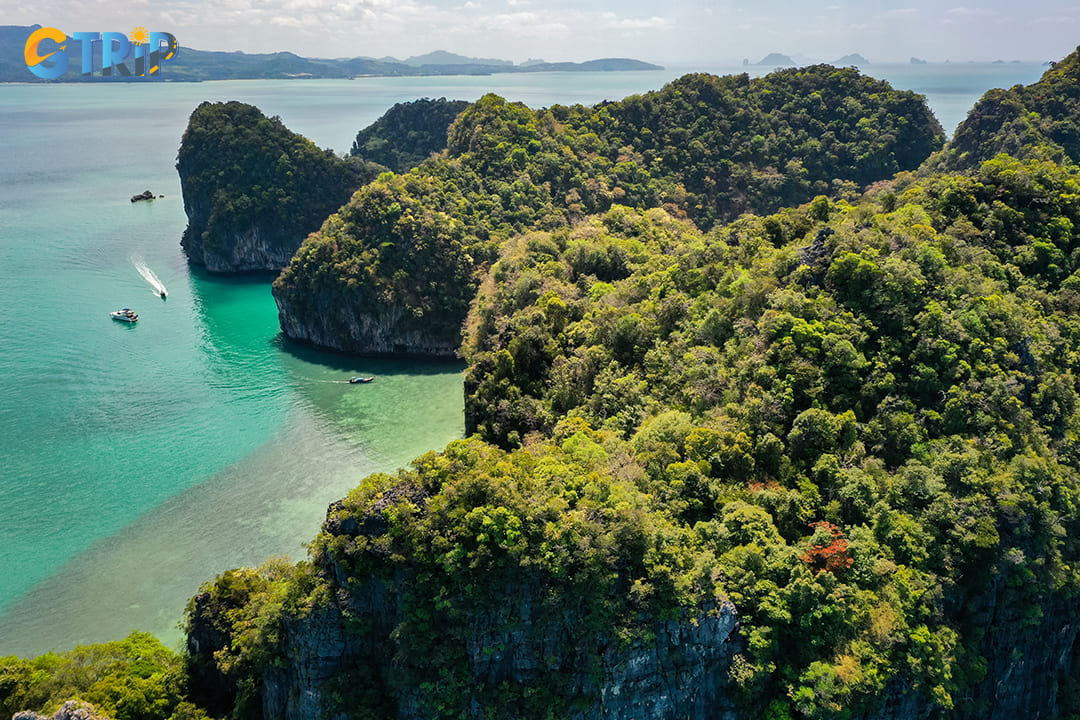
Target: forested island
{"type": "Point", "coordinates": [772, 411]}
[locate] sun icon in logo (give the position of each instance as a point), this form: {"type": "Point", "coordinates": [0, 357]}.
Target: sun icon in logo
{"type": "Point", "coordinates": [139, 36]}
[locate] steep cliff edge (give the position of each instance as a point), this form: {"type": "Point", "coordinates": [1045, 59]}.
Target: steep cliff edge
{"type": "Point", "coordinates": [630, 311]}
{"type": "Point", "coordinates": [1029, 643]}
{"type": "Point", "coordinates": [850, 421]}
{"type": "Point", "coordinates": [253, 190]}
{"type": "Point", "coordinates": [480, 585]}
{"type": "Point", "coordinates": [386, 274]}
{"type": "Point", "coordinates": [517, 652]}
{"type": "Point", "coordinates": [446, 592]}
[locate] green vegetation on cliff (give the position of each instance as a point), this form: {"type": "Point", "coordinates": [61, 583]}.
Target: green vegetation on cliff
{"type": "Point", "coordinates": [389, 264]}
{"type": "Point", "coordinates": [704, 147]}
{"type": "Point", "coordinates": [1041, 120]}
{"type": "Point", "coordinates": [737, 144]}
{"type": "Point", "coordinates": [857, 421]}
{"type": "Point", "coordinates": [473, 539]}
{"type": "Point", "coordinates": [252, 187]}
{"type": "Point", "coordinates": [136, 678]}
{"type": "Point", "coordinates": [407, 133]}
{"type": "Point", "coordinates": [234, 627]}
{"type": "Point", "coordinates": [902, 370]}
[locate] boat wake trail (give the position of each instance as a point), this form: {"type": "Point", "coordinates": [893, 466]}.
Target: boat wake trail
{"type": "Point", "coordinates": [149, 276]}
{"type": "Point", "coordinates": [322, 380]}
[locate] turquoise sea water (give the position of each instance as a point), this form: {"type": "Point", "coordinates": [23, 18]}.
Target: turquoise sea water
{"type": "Point", "coordinates": [138, 461]}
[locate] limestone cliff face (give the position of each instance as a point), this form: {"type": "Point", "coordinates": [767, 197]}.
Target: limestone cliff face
{"type": "Point", "coordinates": [252, 249]}
{"type": "Point", "coordinates": [356, 328]}
{"type": "Point", "coordinates": [253, 190]}
{"type": "Point", "coordinates": [680, 672]}
{"type": "Point", "coordinates": [1031, 651]}
{"type": "Point", "coordinates": [385, 275]}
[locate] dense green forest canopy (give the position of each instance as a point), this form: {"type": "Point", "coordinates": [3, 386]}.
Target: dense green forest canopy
{"type": "Point", "coordinates": [1023, 214]}
{"type": "Point", "coordinates": [704, 147]}
{"type": "Point", "coordinates": [740, 144]}
{"type": "Point", "coordinates": [136, 678]}
{"type": "Point", "coordinates": [896, 368]}
{"type": "Point", "coordinates": [407, 133]}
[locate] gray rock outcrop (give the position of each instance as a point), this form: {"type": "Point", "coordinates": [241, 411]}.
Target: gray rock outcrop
{"type": "Point", "coordinates": [681, 673]}
{"type": "Point", "coordinates": [253, 249]}
{"type": "Point", "coordinates": [356, 640]}
{"type": "Point", "coordinates": [71, 710]}
{"type": "Point", "coordinates": [351, 329]}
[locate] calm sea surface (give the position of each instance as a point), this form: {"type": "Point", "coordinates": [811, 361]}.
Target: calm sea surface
{"type": "Point", "coordinates": [137, 462]}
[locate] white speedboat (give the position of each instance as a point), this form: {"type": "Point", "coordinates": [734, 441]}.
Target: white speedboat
{"type": "Point", "coordinates": [124, 315]}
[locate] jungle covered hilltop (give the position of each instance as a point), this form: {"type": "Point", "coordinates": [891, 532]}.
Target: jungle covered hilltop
{"type": "Point", "coordinates": [772, 409]}
{"type": "Point", "coordinates": [394, 270]}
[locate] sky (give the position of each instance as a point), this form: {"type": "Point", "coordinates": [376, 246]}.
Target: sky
{"type": "Point", "coordinates": [673, 32]}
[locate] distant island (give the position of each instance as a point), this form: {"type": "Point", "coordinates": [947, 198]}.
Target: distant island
{"type": "Point", "coordinates": [917, 61]}
{"type": "Point", "coordinates": [852, 59]}
{"type": "Point", "coordinates": [777, 60]}
{"type": "Point", "coordinates": [194, 65]}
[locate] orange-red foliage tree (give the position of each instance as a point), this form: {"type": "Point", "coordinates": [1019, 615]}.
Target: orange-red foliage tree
{"type": "Point", "coordinates": [828, 549]}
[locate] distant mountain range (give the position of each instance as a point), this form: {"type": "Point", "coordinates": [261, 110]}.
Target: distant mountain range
{"type": "Point", "coordinates": [441, 57]}
{"type": "Point", "coordinates": [195, 65]}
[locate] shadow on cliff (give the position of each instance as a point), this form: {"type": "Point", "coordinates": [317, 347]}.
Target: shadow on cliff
{"type": "Point", "coordinates": [249, 277]}
{"type": "Point", "coordinates": [366, 364]}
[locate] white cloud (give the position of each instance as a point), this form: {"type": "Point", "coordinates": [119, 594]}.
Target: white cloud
{"type": "Point", "coordinates": [525, 24]}
{"type": "Point", "coordinates": [289, 21]}
{"type": "Point", "coordinates": [652, 23]}
{"type": "Point", "coordinates": [971, 12]}
{"type": "Point", "coordinates": [1053, 20]}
